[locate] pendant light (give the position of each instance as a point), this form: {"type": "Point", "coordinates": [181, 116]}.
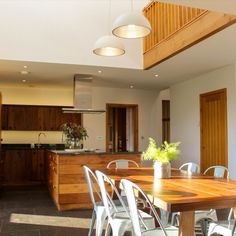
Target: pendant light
{"type": "Point", "coordinates": [131, 25]}
{"type": "Point", "coordinates": [109, 45]}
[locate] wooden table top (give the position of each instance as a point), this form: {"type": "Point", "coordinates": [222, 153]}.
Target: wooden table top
{"type": "Point", "coordinates": [182, 192]}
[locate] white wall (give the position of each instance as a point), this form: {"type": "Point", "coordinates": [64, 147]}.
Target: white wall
{"type": "Point", "coordinates": [185, 113]}
{"type": "Point", "coordinates": [63, 31]}
{"type": "Point", "coordinates": [37, 95]}
{"type": "Point", "coordinates": [149, 112]}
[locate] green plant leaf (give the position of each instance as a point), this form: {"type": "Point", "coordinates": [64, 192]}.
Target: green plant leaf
{"type": "Point", "coordinates": [167, 152]}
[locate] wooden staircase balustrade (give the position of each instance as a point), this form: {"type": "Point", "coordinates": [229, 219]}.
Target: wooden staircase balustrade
{"type": "Point", "coordinates": [175, 28]}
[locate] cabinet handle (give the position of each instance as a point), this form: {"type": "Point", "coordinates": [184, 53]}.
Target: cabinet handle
{"type": "Point", "coordinates": [54, 187]}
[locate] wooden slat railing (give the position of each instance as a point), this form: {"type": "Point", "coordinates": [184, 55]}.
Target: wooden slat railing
{"type": "Point", "coordinates": [175, 28]}
{"type": "Point", "coordinates": [166, 19]}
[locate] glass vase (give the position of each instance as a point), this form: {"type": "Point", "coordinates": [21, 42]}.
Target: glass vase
{"type": "Point", "coordinates": [162, 170]}
{"type": "Point", "coordinates": [73, 143]}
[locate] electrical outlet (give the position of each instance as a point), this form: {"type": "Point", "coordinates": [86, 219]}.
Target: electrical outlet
{"type": "Point", "coordinates": [99, 138]}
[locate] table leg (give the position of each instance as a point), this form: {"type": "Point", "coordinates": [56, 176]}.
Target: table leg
{"type": "Point", "coordinates": [186, 223]}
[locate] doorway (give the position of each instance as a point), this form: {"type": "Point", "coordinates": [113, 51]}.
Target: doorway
{"type": "Point", "coordinates": [121, 127]}
{"type": "Point", "coordinates": [213, 127]}
{"type": "Point", "coordinates": [165, 121]}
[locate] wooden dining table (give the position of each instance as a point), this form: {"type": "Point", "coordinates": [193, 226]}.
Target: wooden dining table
{"type": "Point", "coordinates": [183, 192]}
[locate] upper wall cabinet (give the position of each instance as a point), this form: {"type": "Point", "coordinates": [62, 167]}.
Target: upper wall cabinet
{"type": "Point", "coordinates": [47, 118]}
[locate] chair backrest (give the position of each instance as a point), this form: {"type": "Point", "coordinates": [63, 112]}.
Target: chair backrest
{"type": "Point", "coordinates": [122, 164]}
{"type": "Point", "coordinates": [219, 171]}
{"type": "Point", "coordinates": [191, 167]}
{"type": "Point", "coordinates": [110, 206]}
{"type": "Point", "coordinates": [92, 184]}
{"type": "Point", "coordinates": [131, 190]}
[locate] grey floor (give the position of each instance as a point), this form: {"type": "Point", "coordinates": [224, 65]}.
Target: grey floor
{"type": "Point", "coordinates": [31, 212]}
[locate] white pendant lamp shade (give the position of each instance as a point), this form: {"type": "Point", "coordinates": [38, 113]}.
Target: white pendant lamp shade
{"type": "Point", "coordinates": [131, 25]}
{"type": "Point", "coordinates": [109, 46]}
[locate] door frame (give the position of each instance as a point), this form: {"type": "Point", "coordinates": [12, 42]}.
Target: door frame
{"type": "Point", "coordinates": [135, 122]}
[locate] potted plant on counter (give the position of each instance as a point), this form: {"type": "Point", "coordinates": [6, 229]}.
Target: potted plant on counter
{"type": "Point", "coordinates": [74, 134]}
{"type": "Point", "coordinates": [161, 157]}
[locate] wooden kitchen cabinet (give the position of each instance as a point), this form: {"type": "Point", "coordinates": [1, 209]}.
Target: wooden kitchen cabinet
{"type": "Point", "coordinates": [38, 118]}
{"type": "Point", "coordinates": [38, 165]}
{"type": "Point", "coordinates": [17, 166]}
{"type": "Point", "coordinates": [66, 181]}
{"type": "Point", "coordinates": [4, 118]}
{"type": "Point", "coordinates": [23, 167]}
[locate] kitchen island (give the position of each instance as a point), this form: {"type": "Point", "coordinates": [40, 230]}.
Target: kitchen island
{"type": "Point", "coordinates": [66, 181]}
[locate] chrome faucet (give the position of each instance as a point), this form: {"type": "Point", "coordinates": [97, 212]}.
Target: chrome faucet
{"type": "Point", "coordinates": [39, 142]}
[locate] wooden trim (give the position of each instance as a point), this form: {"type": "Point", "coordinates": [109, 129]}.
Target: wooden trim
{"type": "Point", "coordinates": [136, 122]}
{"type": "Point", "coordinates": [224, 90]}
{"type": "Point", "coordinates": [120, 105]}
{"type": "Point", "coordinates": [207, 24]}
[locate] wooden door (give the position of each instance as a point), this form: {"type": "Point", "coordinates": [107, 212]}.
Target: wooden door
{"type": "Point", "coordinates": [166, 120]}
{"type": "Point", "coordinates": [213, 125]}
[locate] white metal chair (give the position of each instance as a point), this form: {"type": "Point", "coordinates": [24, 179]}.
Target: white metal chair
{"type": "Point", "coordinates": [219, 171]}
{"type": "Point", "coordinates": [99, 212]}
{"type": "Point", "coordinates": [205, 216]}
{"type": "Point", "coordinates": [139, 226]}
{"type": "Point", "coordinates": [223, 228]}
{"type": "Point", "coordinates": [122, 164]}
{"type": "Point", "coordinates": [202, 217]}
{"type": "Point", "coordinates": [191, 167]}
{"type": "Point", "coordinates": [118, 218]}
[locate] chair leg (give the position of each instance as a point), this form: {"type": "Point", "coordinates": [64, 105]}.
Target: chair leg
{"type": "Point", "coordinates": [108, 230]}
{"type": "Point", "coordinates": [164, 217]}
{"type": "Point", "coordinates": [204, 223]}
{"type": "Point", "coordinates": [173, 218]}
{"type": "Point", "coordinates": [101, 216]}
{"type": "Point", "coordinates": [234, 226]}
{"type": "Point", "coordinates": [92, 223]}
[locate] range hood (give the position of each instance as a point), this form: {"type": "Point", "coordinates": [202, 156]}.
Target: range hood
{"type": "Point", "coordinates": [83, 96]}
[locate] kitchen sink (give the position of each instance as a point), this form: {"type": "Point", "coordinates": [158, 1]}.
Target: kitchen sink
{"type": "Point", "coordinates": [58, 146]}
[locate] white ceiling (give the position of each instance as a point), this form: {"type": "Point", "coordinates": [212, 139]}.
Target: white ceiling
{"type": "Point", "coordinates": [216, 51]}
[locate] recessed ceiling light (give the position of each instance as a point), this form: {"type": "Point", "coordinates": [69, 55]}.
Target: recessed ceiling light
{"type": "Point", "coordinates": [131, 86]}
{"type": "Point", "coordinates": [25, 67]}
{"type": "Point", "coordinates": [24, 72]}
{"type": "Point", "coordinates": [156, 75]}
{"type": "Point", "coordinates": [24, 80]}
{"type": "Point", "coordinates": [99, 71]}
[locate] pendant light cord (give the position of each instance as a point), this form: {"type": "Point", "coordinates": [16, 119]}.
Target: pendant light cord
{"type": "Point", "coordinates": [109, 18]}
{"type": "Point", "coordinates": [132, 5]}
